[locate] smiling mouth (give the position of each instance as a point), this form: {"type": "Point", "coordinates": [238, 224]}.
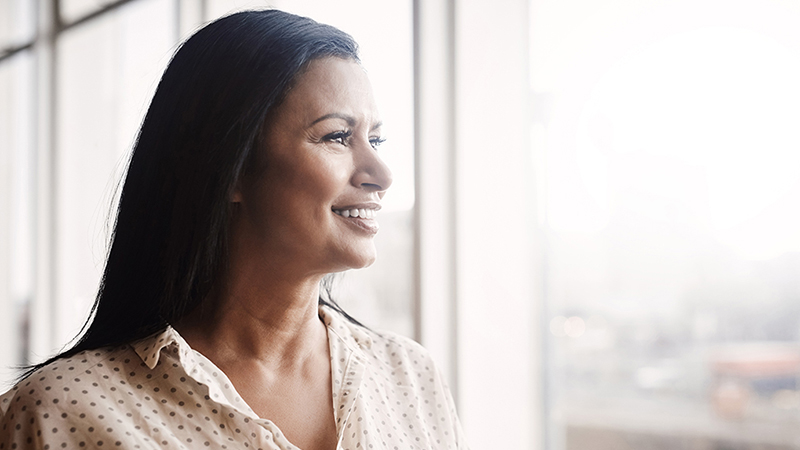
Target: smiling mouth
{"type": "Point", "coordinates": [356, 213]}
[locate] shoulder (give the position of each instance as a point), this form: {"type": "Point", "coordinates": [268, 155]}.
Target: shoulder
{"type": "Point", "coordinates": [408, 377]}
{"type": "Point", "coordinates": [57, 395]}
{"type": "Point", "coordinates": [390, 346]}
{"type": "Point", "coordinates": [403, 362]}
{"type": "Point", "coordinates": [44, 386]}
{"type": "Point", "coordinates": [388, 353]}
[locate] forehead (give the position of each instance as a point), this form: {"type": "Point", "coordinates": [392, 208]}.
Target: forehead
{"type": "Point", "coordinates": [331, 85]}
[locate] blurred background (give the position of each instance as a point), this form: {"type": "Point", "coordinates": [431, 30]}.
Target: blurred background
{"type": "Point", "coordinates": [594, 224]}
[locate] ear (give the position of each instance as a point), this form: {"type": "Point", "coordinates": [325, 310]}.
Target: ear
{"type": "Point", "coordinates": [237, 196]}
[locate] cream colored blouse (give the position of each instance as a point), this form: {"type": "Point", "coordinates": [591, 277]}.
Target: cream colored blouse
{"type": "Point", "coordinates": [159, 393]}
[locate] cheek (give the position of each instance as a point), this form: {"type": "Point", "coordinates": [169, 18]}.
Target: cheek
{"type": "Point", "coordinates": [307, 186]}
{"type": "Point", "coordinates": [321, 181]}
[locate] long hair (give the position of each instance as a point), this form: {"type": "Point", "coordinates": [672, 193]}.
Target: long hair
{"type": "Point", "coordinates": [170, 239]}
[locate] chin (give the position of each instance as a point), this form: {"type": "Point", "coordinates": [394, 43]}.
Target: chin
{"type": "Point", "coordinates": [363, 262]}
{"type": "Point", "coordinates": [359, 258]}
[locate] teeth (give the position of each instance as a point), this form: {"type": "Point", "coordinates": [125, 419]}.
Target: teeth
{"type": "Point", "coordinates": [362, 213]}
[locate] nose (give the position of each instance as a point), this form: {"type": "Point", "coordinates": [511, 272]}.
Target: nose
{"type": "Point", "coordinates": [371, 172]}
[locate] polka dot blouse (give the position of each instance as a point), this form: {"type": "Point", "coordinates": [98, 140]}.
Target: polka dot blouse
{"type": "Point", "coordinates": [159, 393]}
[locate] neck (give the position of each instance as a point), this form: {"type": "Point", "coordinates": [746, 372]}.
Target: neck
{"type": "Point", "coordinates": [264, 309]}
{"type": "Point", "coordinates": [278, 327]}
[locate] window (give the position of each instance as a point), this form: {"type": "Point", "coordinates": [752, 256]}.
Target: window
{"type": "Point", "coordinates": [666, 135]}
{"type": "Point", "coordinates": [17, 140]}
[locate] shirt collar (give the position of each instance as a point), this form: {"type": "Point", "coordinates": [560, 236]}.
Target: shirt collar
{"type": "Point", "coordinates": [354, 336]}
{"type": "Point", "coordinates": [149, 348]}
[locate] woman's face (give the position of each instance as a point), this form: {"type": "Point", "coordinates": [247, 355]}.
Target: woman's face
{"type": "Point", "coordinates": [311, 201]}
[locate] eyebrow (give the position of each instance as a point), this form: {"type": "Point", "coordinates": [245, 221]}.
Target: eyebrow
{"type": "Point", "coordinates": [349, 119]}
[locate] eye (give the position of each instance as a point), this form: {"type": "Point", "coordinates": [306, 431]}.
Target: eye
{"type": "Point", "coordinates": [338, 137]}
{"type": "Point", "coordinates": [376, 142]}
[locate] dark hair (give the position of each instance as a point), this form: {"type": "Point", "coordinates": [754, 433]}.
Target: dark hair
{"type": "Point", "coordinates": [169, 243]}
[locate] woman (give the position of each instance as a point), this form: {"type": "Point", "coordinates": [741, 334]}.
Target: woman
{"type": "Point", "coordinates": [255, 174]}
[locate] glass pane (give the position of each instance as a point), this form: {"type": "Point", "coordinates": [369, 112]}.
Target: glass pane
{"type": "Point", "coordinates": [17, 22]}
{"type": "Point", "coordinates": [108, 70]}
{"type": "Point", "coordinates": [17, 200]}
{"type": "Point", "coordinates": [673, 235]}
{"type": "Point", "coordinates": [72, 10]}
{"type": "Point", "coordinates": [381, 295]}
